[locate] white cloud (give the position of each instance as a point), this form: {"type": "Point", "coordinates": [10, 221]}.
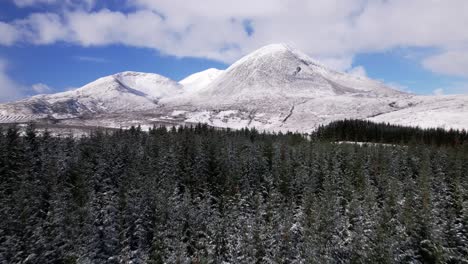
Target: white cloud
{"type": "Point", "coordinates": [331, 30]}
{"type": "Point", "coordinates": [142, 28]}
{"type": "Point", "coordinates": [8, 34]}
{"type": "Point", "coordinates": [41, 88]}
{"type": "Point", "coordinates": [9, 89]}
{"type": "Point", "coordinates": [450, 63]}
{"type": "Point", "coordinates": [43, 28]}
{"type": "Point", "coordinates": [358, 71]}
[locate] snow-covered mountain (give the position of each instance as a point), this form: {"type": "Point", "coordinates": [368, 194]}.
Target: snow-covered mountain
{"type": "Point", "coordinates": [199, 80]}
{"type": "Point", "coordinates": [122, 92]}
{"type": "Point", "coordinates": [275, 88]}
{"type": "Point", "coordinates": [279, 70]}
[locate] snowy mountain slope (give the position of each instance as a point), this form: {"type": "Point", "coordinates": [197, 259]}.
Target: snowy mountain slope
{"type": "Point", "coordinates": [122, 92]}
{"type": "Point", "coordinates": [279, 71]}
{"type": "Point", "coordinates": [199, 80]}
{"type": "Point", "coordinates": [306, 115]}
{"type": "Point", "coordinates": [284, 114]}
{"type": "Point", "coordinates": [275, 88]}
{"type": "Point", "coordinates": [449, 111]}
{"type": "Point", "coordinates": [153, 85]}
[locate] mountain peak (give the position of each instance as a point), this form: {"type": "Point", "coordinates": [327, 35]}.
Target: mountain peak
{"type": "Point", "coordinates": [277, 52]}
{"type": "Point", "coordinates": [129, 73]}
{"type": "Point", "coordinates": [134, 74]}
{"type": "Point", "coordinates": [279, 70]}
{"type": "Point", "coordinates": [269, 50]}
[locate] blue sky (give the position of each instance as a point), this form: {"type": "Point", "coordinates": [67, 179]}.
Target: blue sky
{"type": "Point", "coordinates": [50, 45]}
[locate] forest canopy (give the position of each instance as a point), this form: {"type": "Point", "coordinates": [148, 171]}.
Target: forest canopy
{"type": "Point", "coordinates": [368, 131]}
{"type": "Point", "coordinates": [204, 195]}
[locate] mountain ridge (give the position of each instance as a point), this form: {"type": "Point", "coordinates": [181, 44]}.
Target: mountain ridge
{"type": "Point", "coordinates": [275, 88]}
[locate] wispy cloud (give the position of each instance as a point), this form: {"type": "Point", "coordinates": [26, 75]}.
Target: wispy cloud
{"type": "Point", "coordinates": [9, 89]}
{"type": "Point", "coordinates": [449, 63]}
{"type": "Point", "coordinates": [91, 59]}
{"type": "Point", "coordinates": [41, 88]}
{"type": "Point", "coordinates": [358, 71]}
{"type": "Point", "coordinates": [9, 34]}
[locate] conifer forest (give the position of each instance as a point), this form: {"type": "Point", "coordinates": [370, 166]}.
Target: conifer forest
{"type": "Point", "coordinates": [204, 195]}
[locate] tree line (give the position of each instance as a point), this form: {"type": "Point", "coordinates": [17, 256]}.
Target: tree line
{"type": "Point", "coordinates": [200, 195]}
{"type": "Point", "coordinates": [368, 131]}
